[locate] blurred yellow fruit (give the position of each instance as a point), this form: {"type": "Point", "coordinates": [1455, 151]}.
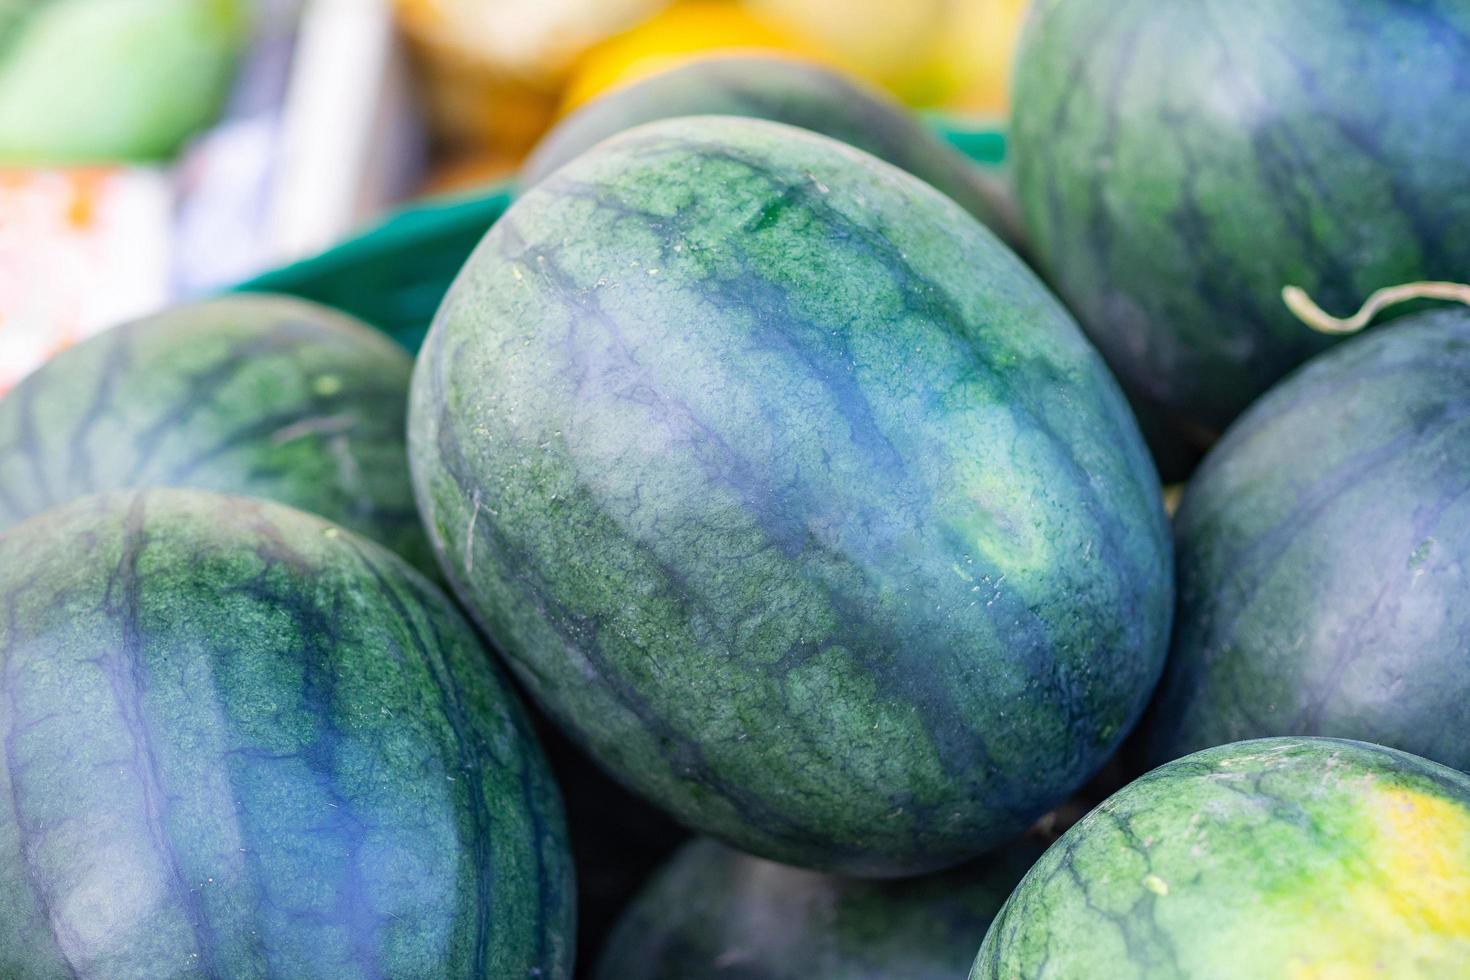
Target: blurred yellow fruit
{"type": "Point", "coordinates": [678, 34]}
{"type": "Point", "coordinates": [928, 52]}
{"type": "Point", "coordinates": [985, 44]}
{"type": "Point", "coordinates": [535, 39]}
{"type": "Point", "coordinates": [493, 70]}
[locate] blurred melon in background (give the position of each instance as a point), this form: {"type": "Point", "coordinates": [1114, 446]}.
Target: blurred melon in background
{"type": "Point", "coordinates": [930, 53]}
{"type": "Point", "coordinates": [497, 73]}
{"type": "Point", "coordinates": [492, 71]}
{"type": "Point", "coordinates": [89, 81]}
{"type": "Point", "coordinates": [986, 47]}
{"type": "Point", "coordinates": [681, 33]}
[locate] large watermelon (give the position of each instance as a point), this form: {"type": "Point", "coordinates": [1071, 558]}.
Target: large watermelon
{"type": "Point", "coordinates": [1322, 577]}
{"type": "Point", "coordinates": [1292, 857]}
{"type": "Point", "coordinates": [243, 742]}
{"type": "Point", "coordinates": [253, 395]}
{"type": "Point", "coordinates": [717, 914]}
{"type": "Point", "coordinates": [793, 496]}
{"type": "Point", "coordinates": [1179, 163]}
{"type": "Point", "coordinates": [781, 90]}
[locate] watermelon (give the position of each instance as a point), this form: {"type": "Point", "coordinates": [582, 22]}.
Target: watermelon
{"type": "Point", "coordinates": [83, 81]}
{"type": "Point", "coordinates": [716, 913]}
{"type": "Point", "coordinates": [781, 90]}
{"type": "Point", "coordinates": [793, 496]}
{"type": "Point", "coordinates": [243, 742]}
{"type": "Point", "coordinates": [1323, 587]}
{"type": "Point", "coordinates": [252, 395]}
{"type": "Point", "coordinates": [1178, 164]}
{"type": "Point", "coordinates": [1286, 857]}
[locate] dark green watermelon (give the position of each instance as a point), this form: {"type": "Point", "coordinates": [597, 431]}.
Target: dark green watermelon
{"type": "Point", "coordinates": [717, 914]}
{"type": "Point", "coordinates": [243, 742]}
{"type": "Point", "coordinates": [1289, 857]}
{"type": "Point", "coordinates": [781, 90]}
{"type": "Point", "coordinates": [1322, 577]}
{"type": "Point", "coordinates": [1179, 163]}
{"type": "Point", "coordinates": [793, 496]}
{"type": "Point", "coordinates": [259, 396]}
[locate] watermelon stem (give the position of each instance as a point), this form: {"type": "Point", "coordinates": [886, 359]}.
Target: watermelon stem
{"type": "Point", "coordinates": [1307, 310]}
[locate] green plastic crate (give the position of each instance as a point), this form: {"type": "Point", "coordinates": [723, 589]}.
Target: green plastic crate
{"type": "Point", "coordinates": [394, 274]}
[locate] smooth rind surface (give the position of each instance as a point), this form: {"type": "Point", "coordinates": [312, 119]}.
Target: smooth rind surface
{"type": "Point", "coordinates": [257, 396]}
{"type": "Point", "coordinates": [793, 496]}
{"type": "Point", "coordinates": [242, 742]}
{"type": "Point", "coordinates": [1321, 550]}
{"type": "Point", "coordinates": [1291, 857]}
{"type": "Point", "coordinates": [1179, 165]}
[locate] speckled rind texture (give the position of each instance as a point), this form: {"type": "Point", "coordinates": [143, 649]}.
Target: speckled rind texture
{"type": "Point", "coordinates": [1178, 164]}
{"type": "Point", "coordinates": [1322, 557]}
{"type": "Point", "coordinates": [717, 914]}
{"type": "Point", "coordinates": [260, 396]}
{"type": "Point", "coordinates": [793, 496]}
{"type": "Point", "coordinates": [780, 90]}
{"type": "Point", "coordinates": [242, 742]}
{"type": "Point", "coordinates": [1291, 857]}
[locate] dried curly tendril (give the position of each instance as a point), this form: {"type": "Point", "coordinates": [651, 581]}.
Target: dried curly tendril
{"type": "Point", "coordinates": [1307, 310]}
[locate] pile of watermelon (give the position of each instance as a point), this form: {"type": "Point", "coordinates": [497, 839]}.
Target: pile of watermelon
{"type": "Point", "coordinates": [770, 474]}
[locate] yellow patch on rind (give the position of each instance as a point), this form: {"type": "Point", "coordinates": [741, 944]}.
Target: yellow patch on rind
{"type": "Point", "coordinates": [1423, 842]}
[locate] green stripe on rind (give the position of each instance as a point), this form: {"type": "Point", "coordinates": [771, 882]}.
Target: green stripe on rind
{"type": "Point", "coordinates": [1321, 557]}
{"type": "Point", "coordinates": [793, 496]}
{"type": "Point", "coordinates": [780, 90]}
{"type": "Point", "coordinates": [1178, 167]}
{"type": "Point", "coordinates": [716, 913]}
{"type": "Point", "coordinates": [1291, 857]}
{"type": "Point", "coordinates": [242, 742]}
{"type": "Point", "coordinates": [257, 396]}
